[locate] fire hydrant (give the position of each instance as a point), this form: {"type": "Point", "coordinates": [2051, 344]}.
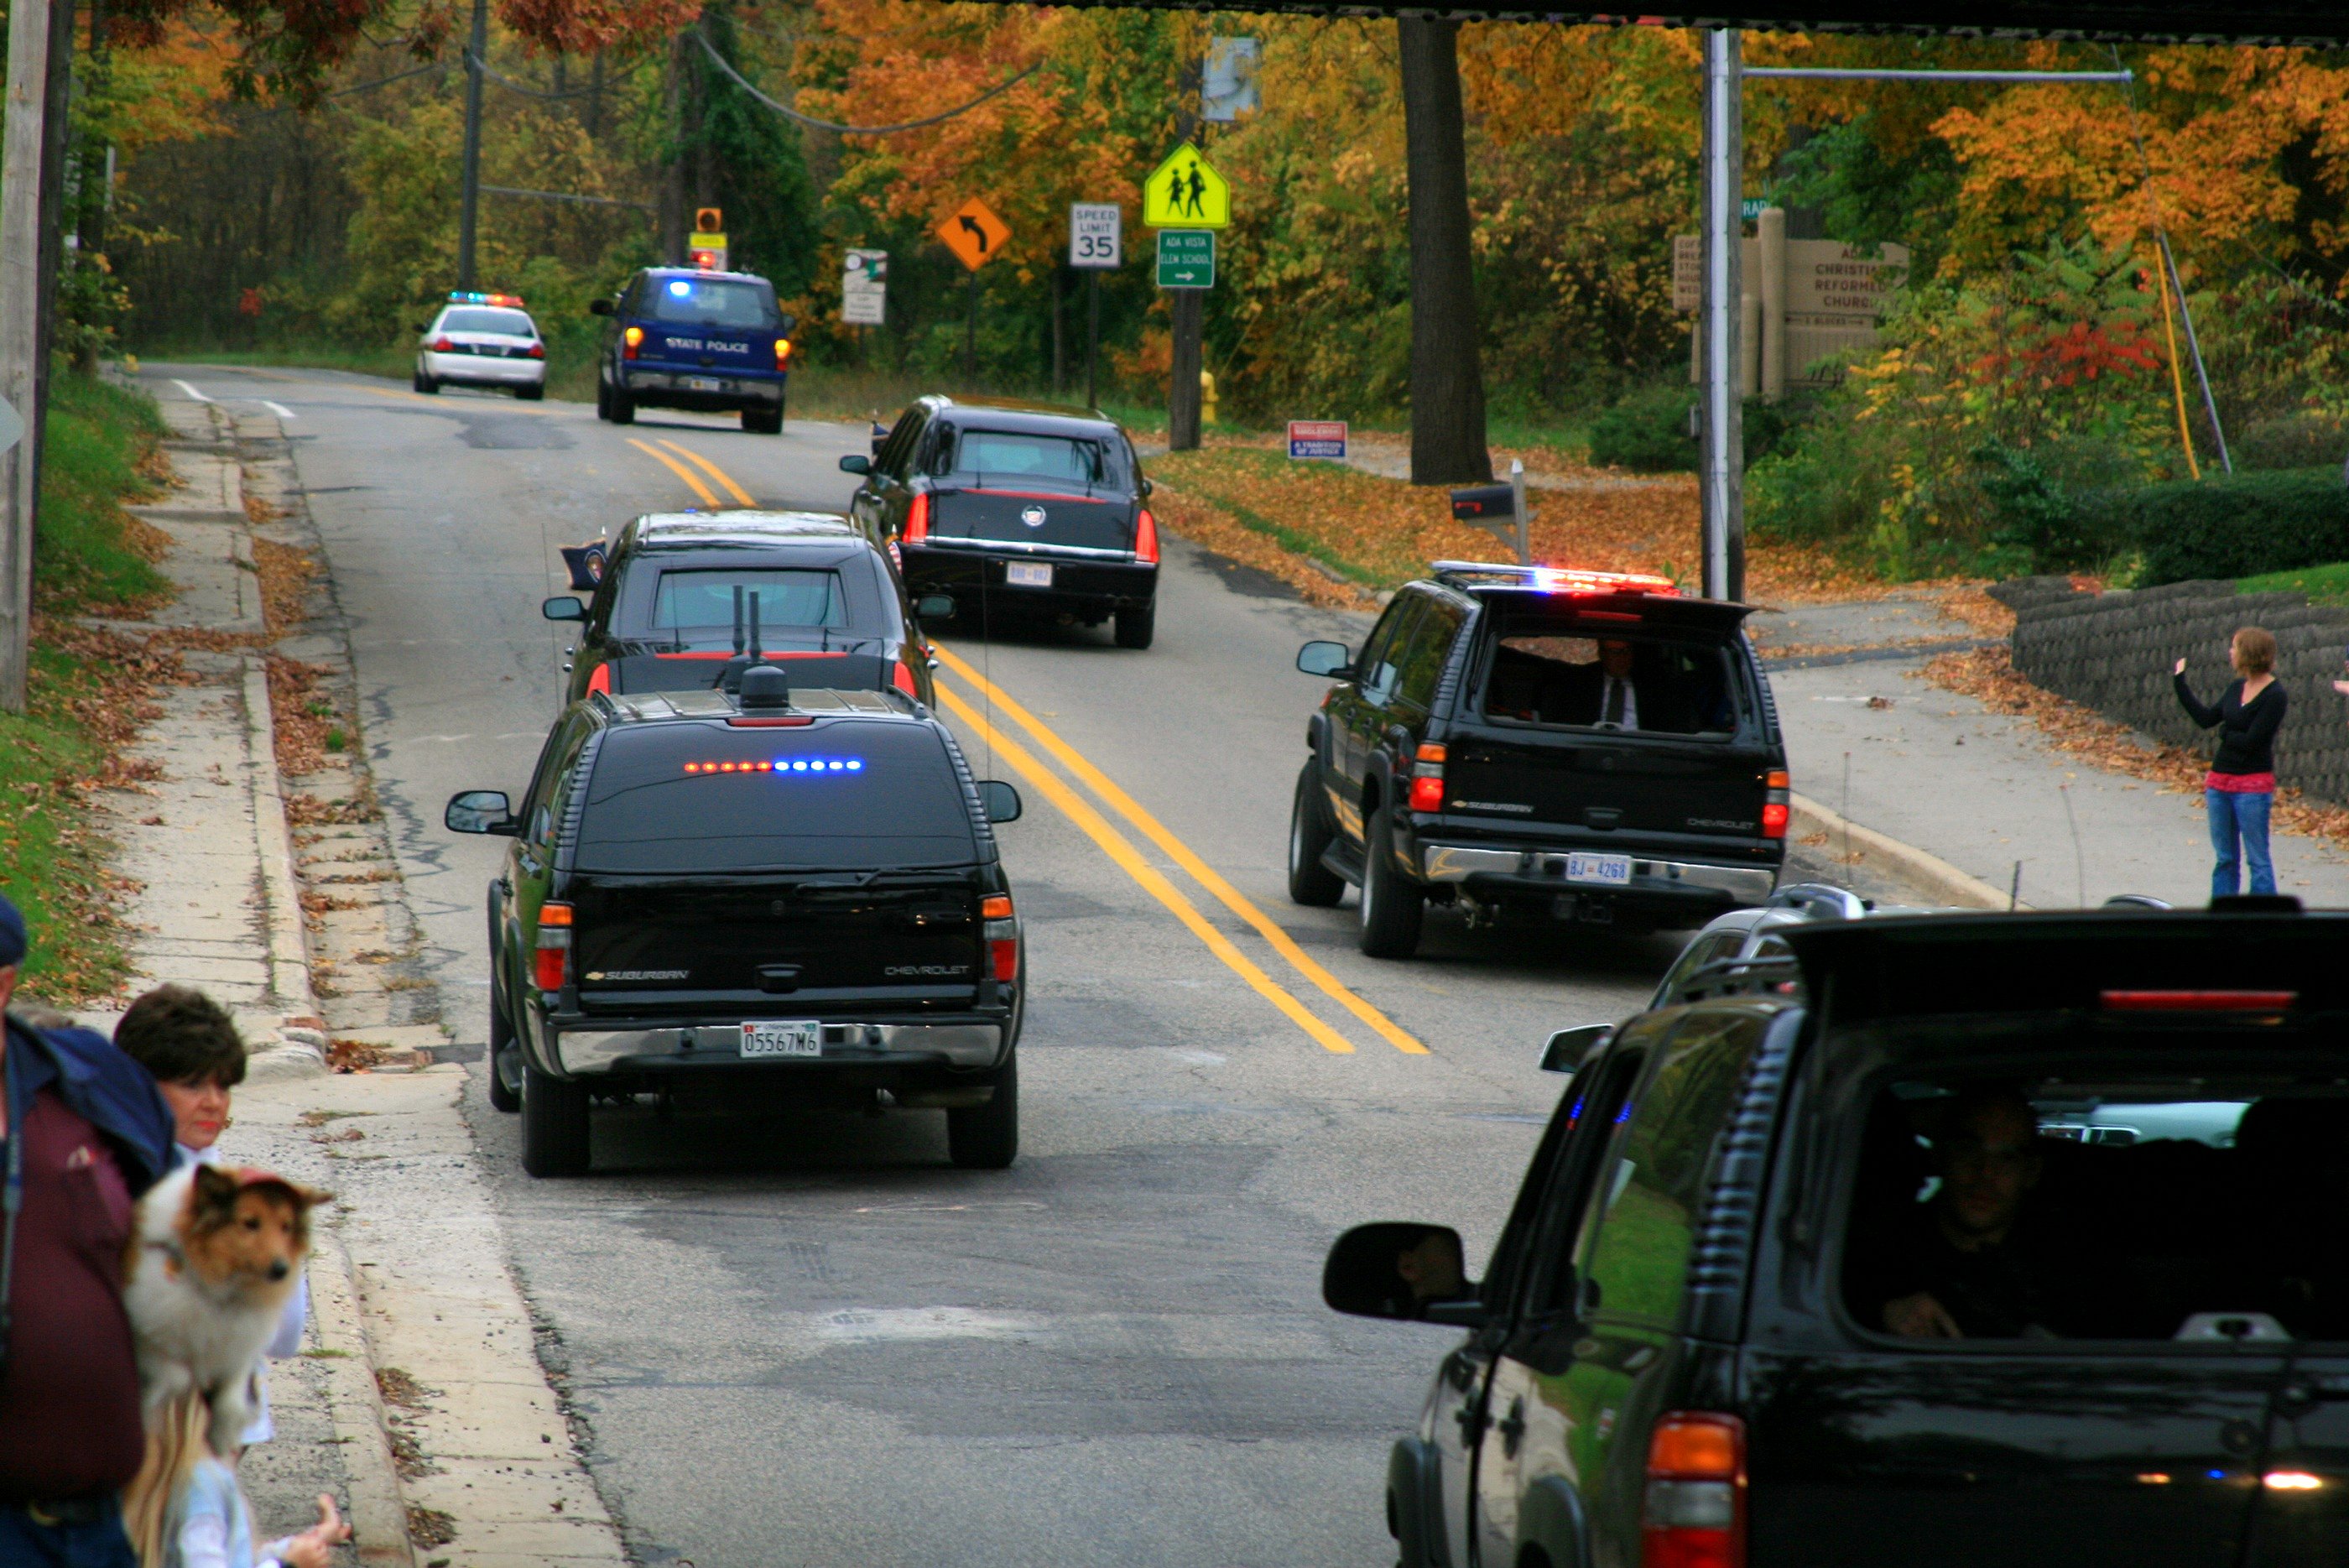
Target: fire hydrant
{"type": "Point", "coordinates": [1206, 397]}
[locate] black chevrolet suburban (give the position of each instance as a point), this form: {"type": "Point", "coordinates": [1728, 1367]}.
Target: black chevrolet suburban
{"type": "Point", "coordinates": [1573, 746]}
{"type": "Point", "coordinates": [1943, 1240]}
{"type": "Point", "coordinates": [793, 890]}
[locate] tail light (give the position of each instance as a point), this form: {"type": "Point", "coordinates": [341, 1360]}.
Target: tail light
{"type": "Point", "coordinates": [630, 341]}
{"type": "Point", "coordinates": [444, 345]}
{"type": "Point", "coordinates": [538, 350]}
{"type": "Point", "coordinates": [553, 960]}
{"type": "Point", "coordinates": [902, 678]}
{"type": "Point", "coordinates": [1427, 779]}
{"type": "Point", "coordinates": [1145, 538]}
{"type": "Point", "coordinates": [1002, 937]}
{"type": "Point", "coordinates": [917, 519]}
{"type": "Point", "coordinates": [782, 353]}
{"type": "Point", "coordinates": [2198, 1000]}
{"type": "Point", "coordinates": [1776, 808]}
{"type": "Point", "coordinates": [1695, 1510]}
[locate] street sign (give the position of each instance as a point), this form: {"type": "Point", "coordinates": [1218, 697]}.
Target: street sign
{"type": "Point", "coordinates": [1186, 192]}
{"type": "Point", "coordinates": [1187, 258]}
{"type": "Point", "coordinates": [1318, 438]}
{"type": "Point", "coordinates": [974, 233]}
{"type": "Point", "coordinates": [1096, 235]}
{"type": "Point", "coordinates": [864, 288]}
{"type": "Point", "coordinates": [1227, 83]}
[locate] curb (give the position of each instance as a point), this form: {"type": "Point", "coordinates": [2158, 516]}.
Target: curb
{"type": "Point", "coordinates": [1927, 872]}
{"type": "Point", "coordinates": [302, 1050]}
{"type": "Point", "coordinates": [378, 1509]}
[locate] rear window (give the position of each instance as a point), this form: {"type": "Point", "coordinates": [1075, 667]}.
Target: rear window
{"type": "Point", "coordinates": [1541, 676]}
{"type": "Point", "coordinates": [711, 302]}
{"type": "Point", "coordinates": [1026, 455]}
{"type": "Point", "coordinates": [698, 609]}
{"type": "Point", "coordinates": [847, 794]}
{"type": "Point", "coordinates": [513, 323]}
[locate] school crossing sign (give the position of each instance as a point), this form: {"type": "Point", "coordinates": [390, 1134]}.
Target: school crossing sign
{"type": "Point", "coordinates": [1186, 192]}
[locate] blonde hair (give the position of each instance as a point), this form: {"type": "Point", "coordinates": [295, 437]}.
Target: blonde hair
{"type": "Point", "coordinates": [2254, 650]}
{"type": "Point", "coordinates": [150, 1504]}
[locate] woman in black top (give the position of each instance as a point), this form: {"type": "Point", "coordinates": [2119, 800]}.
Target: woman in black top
{"type": "Point", "coordinates": [2239, 788]}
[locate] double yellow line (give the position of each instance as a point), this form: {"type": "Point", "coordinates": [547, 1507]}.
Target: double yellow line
{"type": "Point", "coordinates": [693, 481]}
{"type": "Point", "coordinates": [1121, 850]}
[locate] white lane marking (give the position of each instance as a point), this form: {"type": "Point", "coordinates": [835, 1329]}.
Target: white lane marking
{"type": "Point", "coordinates": [869, 1324]}
{"type": "Point", "coordinates": [280, 409]}
{"type": "Point", "coordinates": [190, 390]}
{"type": "Point", "coordinates": [444, 738]}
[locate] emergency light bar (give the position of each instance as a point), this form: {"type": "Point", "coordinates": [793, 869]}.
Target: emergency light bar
{"type": "Point", "coordinates": [468, 296]}
{"type": "Point", "coordinates": [1560, 579]}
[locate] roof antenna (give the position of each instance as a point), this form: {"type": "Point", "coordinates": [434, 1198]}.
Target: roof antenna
{"type": "Point", "coordinates": [758, 654]}
{"type": "Point", "coordinates": [738, 620]}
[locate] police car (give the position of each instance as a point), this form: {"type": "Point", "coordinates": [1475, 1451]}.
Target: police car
{"type": "Point", "coordinates": [684, 337]}
{"type": "Point", "coordinates": [483, 340]}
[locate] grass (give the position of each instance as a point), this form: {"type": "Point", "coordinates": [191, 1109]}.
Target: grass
{"type": "Point", "coordinates": [2323, 584]}
{"type": "Point", "coordinates": [86, 686]}
{"type": "Point", "coordinates": [397, 363]}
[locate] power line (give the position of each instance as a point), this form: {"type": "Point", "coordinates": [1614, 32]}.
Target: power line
{"type": "Point", "coordinates": [789, 113]}
{"type": "Point", "coordinates": [566, 196]}
{"type": "Point", "coordinates": [505, 81]}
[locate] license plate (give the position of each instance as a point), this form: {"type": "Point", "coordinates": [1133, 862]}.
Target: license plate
{"type": "Point", "coordinates": [703, 384]}
{"type": "Point", "coordinates": [1021, 574]}
{"type": "Point", "coordinates": [788, 1038]}
{"type": "Point", "coordinates": [1613, 870]}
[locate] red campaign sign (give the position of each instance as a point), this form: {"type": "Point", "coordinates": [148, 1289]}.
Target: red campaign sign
{"type": "Point", "coordinates": [1318, 438]}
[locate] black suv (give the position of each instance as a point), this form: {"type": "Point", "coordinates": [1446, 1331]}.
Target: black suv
{"type": "Point", "coordinates": [692, 599]}
{"type": "Point", "coordinates": [796, 889]}
{"type": "Point", "coordinates": [1944, 1241]}
{"type": "Point", "coordinates": [1016, 509]}
{"type": "Point", "coordinates": [1579, 745]}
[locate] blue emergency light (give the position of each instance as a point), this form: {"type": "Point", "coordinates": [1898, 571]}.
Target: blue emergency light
{"type": "Point", "coordinates": [679, 287]}
{"type": "Point", "coordinates": [472, 296]}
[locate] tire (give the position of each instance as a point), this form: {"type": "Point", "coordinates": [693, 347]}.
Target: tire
{"type": "Point", "coordinates": [427, 385]}
{"type": "Point", "coordinates": [758, 422]}
{"type": "Point", "coordinates": [1392, 904]}
{"type": "Point", "coordinates": [555, 1141]}
{"type": "Point", "coordinates": [532, 394]}
{"type": "Point", "coordinates": [603, 400]}
{"type": "Point", "coordinates": [505, 1051]}
{"type": "Point", "coordinates": [1137, 626]}
{"type": "Point", "coordinates": [623, 407]}
{"type": "Point", "coordinates": [1310, 882]}
{"type": "Point", "coordinates": [416, 379]}
{"type": "Point", "coordinates": [987, 1137]}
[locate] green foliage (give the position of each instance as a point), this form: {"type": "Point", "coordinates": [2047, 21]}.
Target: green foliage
{"type": "Point", "coordinates": [2325, 585]}
{"type": "Point", "coordinates": [84, 557]}
{"type": "Point", "coordinates": [1646, 432]}
{"type": "Point", "coordinates": [2230, 526]}
{"type": "Point", "coordinates": [1865, 196]}
{"type": "Point", "coordinates": [2294, 440]}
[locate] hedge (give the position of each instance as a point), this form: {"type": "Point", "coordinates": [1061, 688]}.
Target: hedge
{"type": "Point", "coordinates": [2234, 525]}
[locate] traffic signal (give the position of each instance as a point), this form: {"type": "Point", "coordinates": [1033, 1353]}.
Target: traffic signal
{"type": "Point", "coordinates": [709, 220]}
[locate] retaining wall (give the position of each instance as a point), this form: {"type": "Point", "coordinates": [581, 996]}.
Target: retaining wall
{"type": "Point", "coordinates": [2113, 651]}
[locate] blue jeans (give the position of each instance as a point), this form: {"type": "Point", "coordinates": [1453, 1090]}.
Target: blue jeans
{"type": "Point", "coordinates": [28, 1542]}
{"type": "Point", "coordinates": [2243, 816]}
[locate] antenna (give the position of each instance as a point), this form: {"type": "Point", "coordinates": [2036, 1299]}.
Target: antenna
{"type": "Point", "coordinates": [738, 620]}
{"type": "Point", "coordinates": [758, 654]}
{"type": "Point", "coordinates": [2014, 888]}
{"type": "Point", "coordinates": [2079, 861]}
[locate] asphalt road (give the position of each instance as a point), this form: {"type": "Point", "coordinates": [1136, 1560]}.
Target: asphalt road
{"type": "Point", "coordinates": [807, 1339]}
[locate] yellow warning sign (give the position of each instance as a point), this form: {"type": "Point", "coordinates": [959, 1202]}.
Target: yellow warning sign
{"type": "Point", "coordinates": [1186, 193]}
{"type": "Point", "coordinates": [974, 233]}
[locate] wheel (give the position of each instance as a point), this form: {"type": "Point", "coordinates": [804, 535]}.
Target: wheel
{"type": "Point", "coordinates": [531, 394]}
{"type": "Point", "coordinates": [1136, 624]}
{"type": "Point", "coordinates": [603, 400]}
{"type": "Point", "coordinates": [505, 1051]}
{"type": "Point", "coordinates": [427, 385]}
{"type": "Point", "coordinates": [416, 378]}
{"type": "Point", "coordinates": [1309, 881]}
{"type": "Point", "coordinates": [554, 1124]}
{"type": "Point", "coordinates": [1392, 904]}
{"type": "Point", "coordinates": [987, 1137]}
{"type": "Point", "coordinates": [763, 421]}
{"type": "Point", "coordinates": [623, 407]}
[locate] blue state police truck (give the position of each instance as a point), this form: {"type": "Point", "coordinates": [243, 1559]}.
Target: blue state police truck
{"type": "Point", "coordinates": [680, 338]}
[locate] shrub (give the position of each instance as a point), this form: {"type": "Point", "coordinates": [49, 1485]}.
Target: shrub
{"type": "Point", "coordinates": [1648, 432]}
{"type": "Point", "coordinates": [2228, 526]}
{"type": "Point", "coordinates": [2295, 441]}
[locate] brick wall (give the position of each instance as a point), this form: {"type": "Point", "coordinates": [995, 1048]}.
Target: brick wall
{"type": "Point", "coordinates": [2113, 651]}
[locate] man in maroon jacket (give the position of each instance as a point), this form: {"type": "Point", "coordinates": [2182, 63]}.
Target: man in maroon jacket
{"type": "Point", "coordinates": [83, 1131]}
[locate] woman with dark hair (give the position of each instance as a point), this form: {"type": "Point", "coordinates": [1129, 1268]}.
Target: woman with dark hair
{"type": "Point", "coordinates": [2239, 788]}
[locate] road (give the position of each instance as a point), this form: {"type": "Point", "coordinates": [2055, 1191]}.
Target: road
{"type": "Point", "coordinates": [805, 1338]}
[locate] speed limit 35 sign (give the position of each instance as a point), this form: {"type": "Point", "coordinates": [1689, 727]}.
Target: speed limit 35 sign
{"type": "Point", "coordinates": [1096, 235]}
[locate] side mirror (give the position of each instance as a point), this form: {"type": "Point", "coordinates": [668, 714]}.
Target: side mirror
{"type": "Point", "coordinates": [602, 307]}
{"type": "Point", "coordinates": [1330, 658]}
{"type": "Point", "coordinates": [1146, 486]}
{"type": "Point", "coordinates": [562, 607]}
{"type": "Point", "coordinates": [1404, 1273]}
{"type": "Point", "coordinates": [1569, 1048]}
{"type": "Point", "coordinates": [790, 323]}
{"type": "Point", "coordinates": [999, 800]}
{"type": "Point", "coordinates": [934, 606]}
{"type": "Point", "coordinates": [855, 464]}
{"type": "Point", "coordinates": [480, 811]}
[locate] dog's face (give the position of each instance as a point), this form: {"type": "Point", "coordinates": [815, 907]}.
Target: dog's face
{"type": "Point", "coordinates": [247, 1229]}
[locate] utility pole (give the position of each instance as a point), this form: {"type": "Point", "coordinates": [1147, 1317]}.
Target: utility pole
{"type": "Point", "coordinates": [476, 56]}
{"type": "Point", "coordinates": [21, 144]}
{"type": "Point", "coordinates": [1722, 459]}
{"type": "Point", "coordinates": [1188, 307]}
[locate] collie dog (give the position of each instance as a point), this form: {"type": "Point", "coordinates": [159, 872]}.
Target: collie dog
{"type": "Point", "coordinates": [214, 1254]}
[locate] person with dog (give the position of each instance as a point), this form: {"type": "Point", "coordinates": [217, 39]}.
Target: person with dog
{"type": "Point", "coordinates": [189, 1043]}
{"type": "Point", "coordinates": [83, 1132]}
{"type": "Point", "coordinates": [2239, 788]}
